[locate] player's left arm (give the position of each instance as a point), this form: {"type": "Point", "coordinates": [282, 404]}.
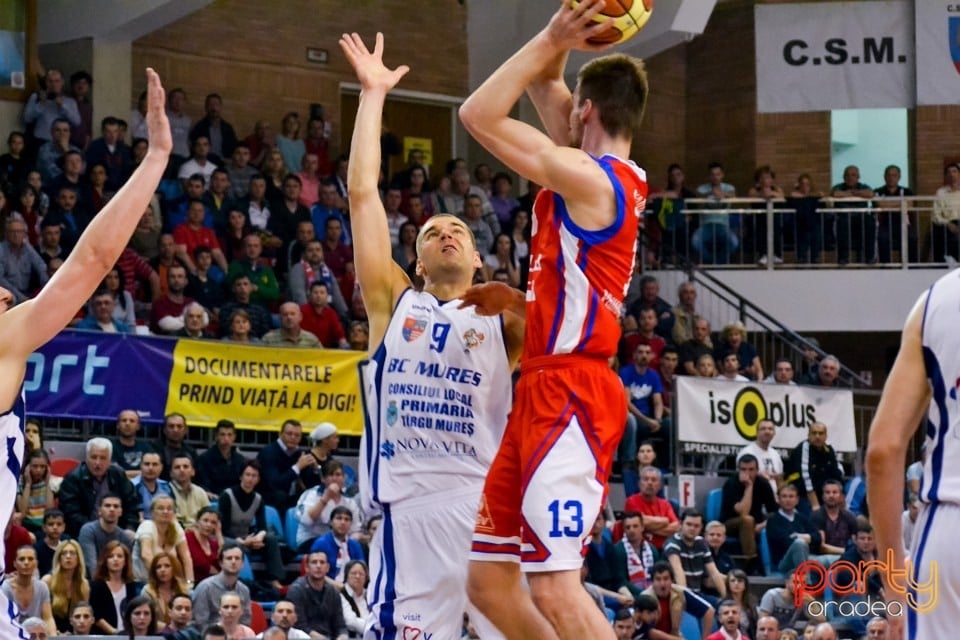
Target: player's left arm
{"type": "Point", "coordinates": [38, 320]}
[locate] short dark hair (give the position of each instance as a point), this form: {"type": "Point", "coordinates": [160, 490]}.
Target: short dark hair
{"type": "Point", "coordinates": [252, 463]}
{"type": "Point", "coordinates": [224, 423]}
{"type": "Point", "coordinates": [690, 513]}
{"type": "Point", "coordinates": [331, 466]}
{"type": "Point", "coordinates": [77, 76]}
{"type": "Point", "coordinates": [862, 527]}
{"type": "Point", "coordinates": [108, 121]}
{"type": "Point", "coordinates": [645, 602]}
{"type": "Point", "coordinates": [714, 165]}
{"type": "Point", "coordinates": [109, 495]}
{"type": "Point", "coordinates": [631, 514]}
{"type": "Point", "coordinates": [662, 567]}
{"type": "Point", "coordinates": [50, 514]}
{"type": "Point", "coordinates": [339, 511]}
{"type": "Point", "coordinates": [617, 85]}
{"type": "Point", "coordinates": [213, 631]}
{"type": "Point", "coordinates": [230, 546]}
{"type": "Point", "coordinates": [623, 614]}
{"type": "Point", "coordinates": [748, 458]}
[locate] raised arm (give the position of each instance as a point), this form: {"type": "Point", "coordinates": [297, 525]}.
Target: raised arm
{"type": "Point", "coordinates": [381, 280]}
{"type": "Point", "coordinates": [553, 101]}
{"type": "Point", "coordinates": [36, 321]}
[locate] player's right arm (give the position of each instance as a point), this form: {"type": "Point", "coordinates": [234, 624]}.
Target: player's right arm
{"type": "Point", "coordinates": [381, 280]}
{"type": "Point", "coordinates": [553, 101]}
{"type": "Point", "coordinates": [905, 398]}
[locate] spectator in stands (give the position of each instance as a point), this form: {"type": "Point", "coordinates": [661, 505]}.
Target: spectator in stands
{"type": "Point", "coordinates": [877, 629]}
{"type": "Point", "coordinates": [49, 247]}
{"type": "Point", "coordinates": [206, 596]}
{"type": "Point", "coordinates": [290, 333]}
{"type": "Point", "coordinates": [223, 138]}
{"type": "Point", "coordinates": [244, 521]}
{"type": "Point", "coordinates": [706, 366]}
{"type": "Point", "coordinates": [690, 557]}
{"type": "Point", "coordinates": [179, 123]}
{"type": "Point", "coordinates": [321, 320]}
{"type": "Point", "coordinates": [112, 152]}
{"type": "Point", "coordinates": [149, 484]}
{"type": "Point", "coordinates": [24, 588]}
{"type": "Point", "coordinates": [123, 308]}
{"type": "Point", "coordinates": [730, 368]}
{"type": "Point", "coordinates": [241, 174]}
{"type": "Point", "coordinates": [782, 372]}
{"type": "Point", "coordinates": [204, 539]}
{"type": "Point", "coordinates": [337, 544]}
{"type": "Point", "coordinates": [166, 314]}
{"type": "Point", "coordinates": [729, 613]}
{"type": "Point", "coordinates": [768, 459]}
{"type": "Point", "coordinates": [289, 143]}
{"type": "Point", "coordinates": [309, 180]}
{"type": "Point", "coordinates": [91, 480]}
{"type": "Point", "coordinates": [908, 521]}
{"type": "Point", "coordinates": [67, 583]}
{"type": "Point", "coordinates": [338, 254]}
{"type": "Point", "coordinates": [316, 506]}
{"type": "Point", "coordinates": [81, 619]}
{"type": "Point", "coordinates": [765, 187]}
{"type": "Point", "coordinates": [825, 374]}
{"type": "Point", "coordinates": [738, 590]}
{"type": "Point", "coordinates": [768, 628]}
{"type": "Point", "coordinates": [68, 174]}
{"type": "Point", "coordinates": [282, 463]}
{"type": "Point", "coordinates": [195, 323]}
{"type": "Point", "coordinates": [791, 536]}
{"type": "Point", "coordinates": [257, 314]}
{"type": "Point", "coordinates": [353, 598]}
{"type": "Point", "coordinates": [698, 345]}
{"type": "Point", "coordinates": [734, 338]}
{"type": "Point", "coordinates": [220, 465]}
{"type": "Point", "coordinates": [824, 631]}
{"type": "Point", "coordinates": [13, 164]}
{"type": "Point", "coordinates": [181, 624]}
{"type": "Point", "coordinates": [36, 490]}
{"type": "Point", "coordinates": [176, 209]}
{"type": "Point", "coordinates": [359, 335]}
{"type": "Point", "coordinates": [811, 463]}
{"type": "Point", "coordinates": [862, 225]}
{"type": "Point", "coordinates": [644, 405]}
{"type": "Point", "coordinates": [165, 260]}
{"type": "Point", "coordinates": [102, 317]}
{"type": "Point", "coordinates": [659, 519]}
{"type": "Point", "coordinates": [189, 497]}
{"type": "Point", "coordinates": [889, 223]}
{"type": "Point", "coordinates": [634, 555]}
{"type": "Point", "coordinates": [70, 216]}
{"type": "Point", "coordinates": [112, 587]}
{"type": "Point", "coordinates": [55, 146]}
{"type": "Point", "coordinates": [161, 532]}
{"type": "Point", "coordinates": [328, 208]}
{"type": "Point", "coordinates": [97, 534]}
{"type": "Point", "coordinates": [264, 287]}
{"type": "Point", "coordinates": [945, 230]}
{"type": "Point", "coordinates": [164, 582]}
{"type": "Point", "coordinates": [646, 334]}
{"type": "Point", "coordinates": [173, 441]}
{"type": "Point", "coordinates": [286, 211]}
{"type": "Point", "coordinates": [603, 570]}
{"type": "Point", "coordinates": [199, 162]}
{"type": "Point", "coordinates": [22, 270]}
{"type": "Point", "coordinates": [140, 618]}
{"type": "Point", "coordinates": [230, 612]}
{"type": "Point", "coordinates": [192, 234]}
{"type": "Point", "coordinates": [474, 218]}
{"type": "Point", "coordinates": [317, 603]}
{"type": "Point", "coordinates": [716, 537]}
{"type": "Point", "coordinates": [217, 200]}
{"type": "Point", "coordinates": [45, 542]}
{"type": "Point", "coordinates": [284, 617]}
{"type": "Point", "coordinates": [837, 524]}
{"type": "Point", "coordinates": [312, 268]}
{"type": "Point", "coordinates": [673, 601]}
{"type": "Point", "coordinates": [862, 587]}
{"type": "Point", "coordinates": [779, 603]}
{"type": "Point", "coordinates": [503, 257]}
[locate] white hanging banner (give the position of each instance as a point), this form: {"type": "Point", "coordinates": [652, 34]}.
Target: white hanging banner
{"type": "Point", "coordinates": [938, 52]}
{"type": "Point", "coordinates": [835, 55]}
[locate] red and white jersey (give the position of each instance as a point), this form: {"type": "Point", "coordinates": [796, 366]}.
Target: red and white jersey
{"type": "Point", "coordinates": [579, 278]}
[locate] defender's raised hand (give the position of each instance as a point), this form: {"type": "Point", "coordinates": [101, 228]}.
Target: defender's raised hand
{"type": "Point", "coordinates": [158, 127]}
{"type": "Point", "coordinates": [371, 72]}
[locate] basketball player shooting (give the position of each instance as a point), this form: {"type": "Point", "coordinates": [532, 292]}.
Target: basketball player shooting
{"type": "Point", "coordinates": [29, 325]}
{"type": "Point", "coordinates": [549, 479]}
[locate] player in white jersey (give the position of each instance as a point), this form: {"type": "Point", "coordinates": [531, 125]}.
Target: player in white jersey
{"type": "Point", "coordinates": [32, 323]}
{"type": "Point", "coordinates": [924, 378]}
{"type": "Point", "coordinates": [437, 392]}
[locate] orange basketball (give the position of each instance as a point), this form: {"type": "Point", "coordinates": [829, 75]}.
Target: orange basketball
{"type": "Point", "coordinates": [625, 17]}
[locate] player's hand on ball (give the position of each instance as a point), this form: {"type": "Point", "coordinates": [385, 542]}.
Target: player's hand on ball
{"type": "Point", "coordinates": [371, 72]}
{"type": "Point", "coordinates": [489, 299]}
{"type": "Point", "coordinates": [571, 27]}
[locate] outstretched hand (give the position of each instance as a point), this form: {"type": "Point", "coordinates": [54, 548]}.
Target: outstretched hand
{"type": "Point", "coordinates": [490, 298]}
{"type": "Point", "coordinates": [158, 128]}
{"type": "Point", "coordinates": [371, 72]}
{"type": "Point", "coordinates": [572, 27]}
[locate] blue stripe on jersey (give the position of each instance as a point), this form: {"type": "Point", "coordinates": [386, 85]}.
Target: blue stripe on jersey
{"type": "Point", "coordinates": [917, 560]}
{"type": "Point", "coordinates": [503, 334]}
{"type": "Point", "coordinates": [595, 237]}
{"type": "Point", "coordinates": [938, 388]}
{"type": "Point", "coordinates": [555, 327]}
{"type": "Point", "coordinates": [387, 622]}
{"type": "Point", "coordinates": [591, 319]}
{"type": "Point", "coordinates": [380, 358]}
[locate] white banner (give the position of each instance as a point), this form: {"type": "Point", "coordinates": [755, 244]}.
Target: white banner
{"type": "Point", "coordinates": [938, 52]}
{"type": "Point", "coordinates": [721, 412]}
{"type": "Point", "coordinates": [835, 55]}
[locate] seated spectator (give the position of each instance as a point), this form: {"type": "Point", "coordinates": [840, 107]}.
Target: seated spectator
{"type": "Point", "coordinates": [164, 582]}
{"type": "Point", "coordinates": [791, 536]}
{"type": "Point", "coordinates": [602, 567]}
{"type": "Point", "coordinates": [102, 317]}
{"type": "Point", "coordinates": [674, 600]}
{"type": "Point", "coordinates": [204, 540]}
{"type": "Point", "coordinates": [945, 229]}
{"type": "Point", "coordinates": [230, 612]}
{"type": "Point", "coordinates": [181, 624]}
{"type": "Point", "coordinates": [290, 333]}
{"type": "Point", "coordinates": [836, 523]}
{"type": "Point", "coordinates": [284, 619]}
{"type": "Point", "coordinates": [730, 368]}
{"type": "Point", "coordinates": [825, 374]}
{"type": "Point", "coordinates": [220, 466]}
{"type": "Point", "coordinates": [192, 234]}
{"type": "Point", "coordinates": [768, 459]}
{"type": "Point", "coordinates": [473, 217]}
{"type": "Point", "coordinates": [195, 323]}
{"type": "Point", "coordinates": [206, 596]}
{"type": "Point", "coordinates": [217, 199]}
{"type": "Point", "coordinates": [264, 287]}
{"type": "Point", "coordinates": [26, 590]}
{"type": "Point", "coordinates": [49, 540]}
{"type": "Point", "coordinates": [240, 328]}
{"type": "Point", "coordinates": [241, 173]}
{"type": "Point", "coordinates": [644, 404]}
{"type": "Point", "coordinates": [734, 338]}
{"type": "Point", "coordinates": [908, 521]}
{"type": "Point", "coordinates": [690, 557]}
{"type": "Point", "coordinates": [166, 314]}
{"type": "Point", "coordinates": [123, 305]}
{"type": "Point", "coordinates": [173, 442]}
{"type": "Point", "coordinates": [36, 494]}
{"type": "Point", "coordinates": [738, 590]}
{"type": "Point", "coordinates": [97, 534]}
{"type": "Point", "coordinates": [320, 319]}
{"type": "Point", "coordinates": [634, 555]}
{"type": "Point", "coordinates": [324, 440]}
{"type": "Point", "coordinates": [51, 153]}
{"type": "Point", "coordinates": [78, 492]}
{"type": "Point", "coordinates": [139, 618]}
{"type": "Point", "coordinates": [646, 612]}
{"type": "Point", "coordinates": [317, 602]}
{"type": "Point", "coordinates": [716, 536]}
{"type": "Point", "coordinates": [312, 268]}
{"type": "Point", "coordinates": [149, 484]}
{"type": "Point", "coordinates": [282, 462]}
{"type": "Point", "coordinates": [67, 584]}
{"type": "Point", "coordinates": [405, 253]}
{"type": "Point", "coordinates": [161, 533]}
{"type": "Point", "coordinates": [877, 629]}
{"type": "Point", "coordinates": [769, 629]}
{"type": "Point", "coordinates": [338, 544]}
{"type": "Point", "coordinates": [782, 372]}
{"type": "Point", "coordinates": [780, 603]}
{"type": "Point", "coordinates": [189, 497]}
{"type": "Point", "coordinates": [128, 450]}
{"type": "Point", "coordinates": [503, 257]}
{"type": "Point", "coordinates": [81, 619]}
{"type": "Point", "coordinates": [112, 587]}
{"type": "Point", "coordinates": [706, 366]}
{"type": "Point", "coordinates": [729, 613]}
{"type": "Point", "coordinates": [359, 335]}
{"type": "Point", "coordinates": [865, 588]}
{"type": "Point", "coordinates": [199, 162]}
{"type": "Point", "coordinates": [747, 503]}
{"type": "Point", "coordinates": [244, 521]}
{"type": "Point", "coordinates": [810, 464]}
{"type": "Point", "coordinates": [697, 346]}
{"type": "Point", "coordinates": [659, 519]}
{"type": "Point", "coordinates": [316, 507]}
{"type": "Point", "coordinates": [624, 626]}
{"type": "Point", "coordinates": [257, 314]}
{"type": "Point", "coordinates": [353, 598]}
{"type": "Point", "coordinates": [22, 270]}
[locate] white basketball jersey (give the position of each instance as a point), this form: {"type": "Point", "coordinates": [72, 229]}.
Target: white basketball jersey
{"type": "Point", "coordinates": [11, 431]}
{"type": "Point", "coordinates": [437, 394]}
{"type": "Point", "coordinates": [941, 356]}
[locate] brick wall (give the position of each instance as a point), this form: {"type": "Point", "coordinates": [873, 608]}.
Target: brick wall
{"type": "Point", "coordinates": [662, 137]}
{"type": "Point", "coordinates": [254, 53]}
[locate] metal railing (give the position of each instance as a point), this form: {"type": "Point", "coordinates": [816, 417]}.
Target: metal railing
{"type": "Point", "coordinates": [811, 231]}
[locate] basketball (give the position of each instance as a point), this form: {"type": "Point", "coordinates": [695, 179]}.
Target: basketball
{"type": "Point", "coordinates": [625, 17]}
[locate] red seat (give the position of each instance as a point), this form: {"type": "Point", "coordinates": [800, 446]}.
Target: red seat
{"type": "Point", "coordinates": [63, 466]}
{"type": "Point", "coordinates": [258, 619]}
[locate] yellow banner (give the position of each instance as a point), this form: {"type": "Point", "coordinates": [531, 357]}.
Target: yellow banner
{"type": "Point", "coordinates": [260, 387]}
{"type": "Point", "coordinates": [422, 144]}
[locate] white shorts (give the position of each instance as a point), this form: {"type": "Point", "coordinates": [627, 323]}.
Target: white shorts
{"type": "Point", "coordinates": [418, 570]}
{"type": "Point", "coordinates": [934, 539]}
